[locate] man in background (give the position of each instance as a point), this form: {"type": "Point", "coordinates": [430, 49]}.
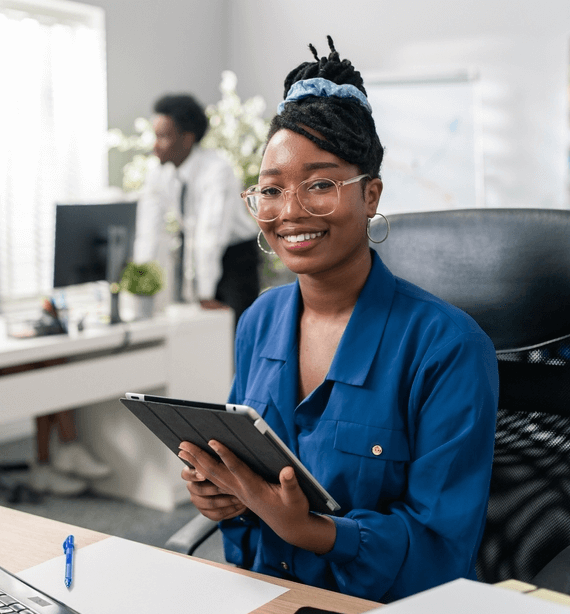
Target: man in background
{"type": "Point", "coordinates": [190, 217]}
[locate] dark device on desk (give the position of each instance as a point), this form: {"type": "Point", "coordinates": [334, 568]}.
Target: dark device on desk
{"type": "Point", "coordinates": [24, 598]}
{"type": "Point", "coordinates": [238, 427]}
{"type": "Point", "coordinates": [93, 242]}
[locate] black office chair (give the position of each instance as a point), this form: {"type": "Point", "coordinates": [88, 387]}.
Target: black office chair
{"type": "Point", "coordinates": [510, 270]}
{"type": "Point", "coordinates": [192, 535]}
{"type": "Point", "coordinates": [16, 490]}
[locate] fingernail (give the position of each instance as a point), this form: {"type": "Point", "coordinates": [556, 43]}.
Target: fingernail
{"type": "Point", "coordinates": [214, 445]}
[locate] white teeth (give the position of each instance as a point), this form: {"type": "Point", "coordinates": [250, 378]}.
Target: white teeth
{"type": "Point", "coordinates": [303, 237]}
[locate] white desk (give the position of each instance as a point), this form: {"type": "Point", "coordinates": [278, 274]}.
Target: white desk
{"type": "Point", "coordinates": [187, 353]}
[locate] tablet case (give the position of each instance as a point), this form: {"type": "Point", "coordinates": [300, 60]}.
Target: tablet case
{"type": "Point", "coordinates": [173, 424]}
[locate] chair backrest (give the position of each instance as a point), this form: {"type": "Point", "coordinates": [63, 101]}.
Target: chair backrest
{"type": "Point", "coordinates": [510, 270]}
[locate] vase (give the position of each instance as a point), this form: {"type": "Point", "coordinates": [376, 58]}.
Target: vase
{"type": "Point", "coordinates": [144, 307]}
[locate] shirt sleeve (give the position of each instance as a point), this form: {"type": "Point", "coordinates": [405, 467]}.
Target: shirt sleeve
{"type": "Point", "coordinates": [150, 218]}
{"type": "Point", "coordinates": [219, 192]}
{"type": "Point", "coordinates": [440, 516]}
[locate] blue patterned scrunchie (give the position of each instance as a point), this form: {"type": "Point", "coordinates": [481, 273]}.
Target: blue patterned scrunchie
{"type": "Point", "coordinates": [324, 89]}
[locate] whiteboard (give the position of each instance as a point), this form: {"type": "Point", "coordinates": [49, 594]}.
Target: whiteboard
{"type": "Point", "coordinates": [430, 129]}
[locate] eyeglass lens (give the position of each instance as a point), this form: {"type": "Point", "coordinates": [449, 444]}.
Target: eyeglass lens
{"type": "Point", "coordinates": [317, 197]}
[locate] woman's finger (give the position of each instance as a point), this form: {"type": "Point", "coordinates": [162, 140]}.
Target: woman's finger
{"type": "Point", "coordinates": [214, 502]}
{"type": "Point", "coordinates": [224, 514]}
{"type": "Point", "coordinates": [292, 493]}
{"type": "Point", "coordinates": [230, 460]}
{"type": "Point", "coordinates": [191, 474]}
{"type": "Point", "coordinates": [203, 461]}
{"type": "Point", "coordinates": [204, 489]}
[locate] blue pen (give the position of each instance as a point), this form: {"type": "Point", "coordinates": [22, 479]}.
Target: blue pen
{"type": "Point", "coordinates": [68, 547]}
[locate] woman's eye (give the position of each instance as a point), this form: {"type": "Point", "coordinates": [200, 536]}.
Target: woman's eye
{"type": "Point", "coordinates": [270, 192]}
{"type": "Point", "coordinates": [320, 185]}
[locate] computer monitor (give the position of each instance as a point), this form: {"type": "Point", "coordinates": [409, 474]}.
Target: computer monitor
{"type": "Point", "coordinates": [93, 242]}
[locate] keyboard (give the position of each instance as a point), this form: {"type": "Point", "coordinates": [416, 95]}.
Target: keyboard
{"type": "Point", "coordinates": [19, 597]}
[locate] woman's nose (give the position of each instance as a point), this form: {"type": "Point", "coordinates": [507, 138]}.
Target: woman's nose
{"type": "Point", "coordinates": [292, 206]}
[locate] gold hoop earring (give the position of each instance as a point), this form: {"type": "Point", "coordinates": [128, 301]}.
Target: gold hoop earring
{"type": "Point", "coordinates": [387, 228]}
{"type": "Point", "coordinates": [265, 251]}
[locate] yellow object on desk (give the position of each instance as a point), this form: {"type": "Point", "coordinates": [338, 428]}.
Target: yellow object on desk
{"type": "Point", "coordinates": [535, 591]}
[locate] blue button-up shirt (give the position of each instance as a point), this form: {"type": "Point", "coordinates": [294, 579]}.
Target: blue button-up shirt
{"type": "Point", "coordinates": [400, 433]}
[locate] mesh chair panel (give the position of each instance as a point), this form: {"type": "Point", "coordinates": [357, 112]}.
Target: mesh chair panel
{"type": "Point", "coordinates": [528, 520]}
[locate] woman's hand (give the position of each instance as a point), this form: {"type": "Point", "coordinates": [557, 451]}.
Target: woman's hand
{"type": "Point", "coordinates": [208, 498]}
{"type": "Point", "coordinates": [284, 507]}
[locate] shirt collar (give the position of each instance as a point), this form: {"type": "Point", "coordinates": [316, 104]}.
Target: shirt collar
{"type": "Point", "coordinates": [282, 340]}
{"type": "Point", "coordinates": [184, 171]}
{"type": "Point", "coordinates": [359, 343]}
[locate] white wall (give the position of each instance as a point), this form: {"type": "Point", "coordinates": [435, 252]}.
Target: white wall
{"type": "Point", "coordinates": [520, 48]}
{"type": "Point", "coordinates": [159, 47]}
{"type": "Point", "coordinates": [155, 48]}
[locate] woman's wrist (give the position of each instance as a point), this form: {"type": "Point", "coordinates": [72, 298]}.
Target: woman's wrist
{"type": "Point", "coordinates": [318, 534]}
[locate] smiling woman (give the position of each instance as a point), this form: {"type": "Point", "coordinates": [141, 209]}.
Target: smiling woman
{"type": "Point", "coordinates": [387, 394]}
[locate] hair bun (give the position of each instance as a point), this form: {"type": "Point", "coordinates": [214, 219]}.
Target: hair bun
{"type": "Point", "coordinates": [332, 68]}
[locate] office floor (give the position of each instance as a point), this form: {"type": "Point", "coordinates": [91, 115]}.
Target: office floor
{"type": "Point", "coordinates": [92, 511]}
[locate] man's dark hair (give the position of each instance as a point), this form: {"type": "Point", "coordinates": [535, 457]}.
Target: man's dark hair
{"type": "Point", "coordinates": [347, 128]}
{"type": "Point", "coordinates": [186, 112]}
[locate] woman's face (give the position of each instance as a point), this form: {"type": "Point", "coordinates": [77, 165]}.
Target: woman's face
{"type": "Point", "coordinates": [331, 241]}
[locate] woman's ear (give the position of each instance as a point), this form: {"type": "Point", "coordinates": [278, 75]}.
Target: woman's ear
{"type": "Point", "coordinates": [372, 195]}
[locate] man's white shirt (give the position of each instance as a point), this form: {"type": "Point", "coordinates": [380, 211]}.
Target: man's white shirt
{"type": "Point", "coordinates": [215, 217]}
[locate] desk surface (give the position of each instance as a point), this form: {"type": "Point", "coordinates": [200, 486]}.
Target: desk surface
{"type": "Point", "coordinates": [27, 540]}
{"type": "Point", "coordinates": [98, 338]}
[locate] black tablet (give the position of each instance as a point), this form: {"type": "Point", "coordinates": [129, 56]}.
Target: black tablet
{"type": "Point", "coordinates": [238, 427]}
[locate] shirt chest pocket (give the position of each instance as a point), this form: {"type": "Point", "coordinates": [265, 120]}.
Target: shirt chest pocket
{"type": "Point", "coordinates": [376, 461]}
{"type": "Point", "coordinates": [371, 442]}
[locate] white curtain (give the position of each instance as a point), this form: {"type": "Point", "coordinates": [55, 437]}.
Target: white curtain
{"type": "Point", "coordinates": [52, 136]}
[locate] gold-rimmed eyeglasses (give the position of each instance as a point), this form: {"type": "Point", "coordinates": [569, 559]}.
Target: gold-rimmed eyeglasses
{"type": "Point", "coordinates": [317, 196]}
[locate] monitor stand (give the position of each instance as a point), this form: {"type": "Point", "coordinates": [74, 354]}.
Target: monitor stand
{"type": "Point", "coordinates": [117, 238]}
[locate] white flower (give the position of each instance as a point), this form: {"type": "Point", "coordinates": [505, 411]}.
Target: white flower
{"type": "Point", "coordinates": [142, 124]}
{"type": "Point", "coordinates": [229, 81]}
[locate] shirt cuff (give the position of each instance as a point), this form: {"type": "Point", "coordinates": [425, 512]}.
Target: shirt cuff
{"type": "Point", "coordinates": [347, 541]}
{"type": "Point", "coordinates": [205, 289]}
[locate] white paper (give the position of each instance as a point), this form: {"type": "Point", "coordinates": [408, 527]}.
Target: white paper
{"type": "Point", "coordinates": [469, 597]}
{"type": "Point", "coordinates": [118, 576]}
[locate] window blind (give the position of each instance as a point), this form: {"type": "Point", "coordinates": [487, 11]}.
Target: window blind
{"type": "Point", "coordinates": [53, 144]}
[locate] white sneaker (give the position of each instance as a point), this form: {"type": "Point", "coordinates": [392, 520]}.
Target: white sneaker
{"type": "Point", "coordinates": [44, 479]}
{"type": "Point", "coordinates": [74, 459]}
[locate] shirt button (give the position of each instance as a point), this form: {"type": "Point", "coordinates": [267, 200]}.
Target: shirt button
{"type": "Point", "coordinates": [377, 450]}
{"type": "Point", "coordinates": [284, 565]}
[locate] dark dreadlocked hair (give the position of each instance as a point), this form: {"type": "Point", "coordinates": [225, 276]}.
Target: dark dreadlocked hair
{"type": "Point", "coordinates": [347, 128]}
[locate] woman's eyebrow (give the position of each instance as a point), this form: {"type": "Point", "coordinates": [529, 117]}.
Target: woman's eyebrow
{"type": "Point", "coordinates": [309, 166]}
{"type": "Point", "coordinates": [312, 166]}
{"type": "Point", "coordinates": [270, 171]}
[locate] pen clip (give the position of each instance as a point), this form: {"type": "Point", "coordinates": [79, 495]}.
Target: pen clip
{"type": "Point", "coordinates": [68, 544]}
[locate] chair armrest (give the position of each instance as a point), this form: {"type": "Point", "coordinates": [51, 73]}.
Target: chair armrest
{"type": "Point", "coordinates": [192, 535]}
